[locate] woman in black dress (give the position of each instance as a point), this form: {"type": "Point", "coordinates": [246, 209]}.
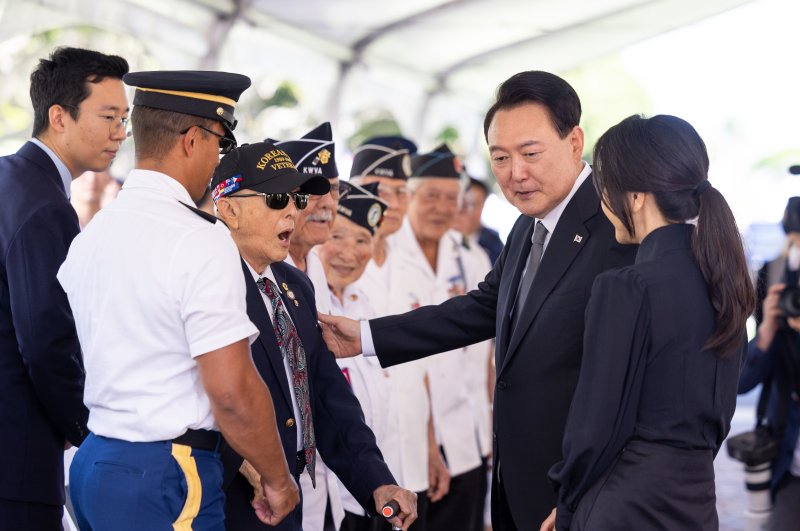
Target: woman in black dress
{"type": "Point", "coordinates": [663, 343]}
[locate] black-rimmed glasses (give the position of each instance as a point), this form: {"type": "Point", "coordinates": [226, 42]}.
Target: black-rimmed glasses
{"type": "Point", "coordinates": [226, 144]}
{"type": "Point", "coordinates": [280, 201]}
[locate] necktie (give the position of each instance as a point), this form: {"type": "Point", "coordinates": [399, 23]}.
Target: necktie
{"type": "Point", "coordinates": [534, 258]}
{"type": "Point", "coordinates": [292, 348]}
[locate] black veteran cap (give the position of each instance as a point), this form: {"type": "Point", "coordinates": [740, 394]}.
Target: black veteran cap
{"type": "Point", "coordinates": [208, 94]}
{"type": "Point", "coordinates": [385, 156]}
{"type": "Point", "coordinates": [264, 168]}
{"type": "Point", "coordinates": [313, 153]}
{"type": "Point", "coordinates": [441, 163]}
{"type": "Point", "coordinates": [361, 205]}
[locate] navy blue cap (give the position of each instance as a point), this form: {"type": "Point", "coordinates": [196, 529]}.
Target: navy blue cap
{"type": "Point", "coordinates": [264, 168]}
{"type": "Point", "coordinates": [383, 157]}
{"type": "Point", "coordinates": [313, 153]}
{"type": "Point", "coordinates": [361, 205]}
{"type": "Point", "coordinates": [439, 163]}
{"type": "Point", "coordinates": [208, 94]}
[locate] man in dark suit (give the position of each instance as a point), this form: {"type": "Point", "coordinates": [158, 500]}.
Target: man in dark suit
{"type": "Point", "coordinates": [80, 114]}
{"type": "Point", "coordinates": [532, 301]}
{"type": "Point", "coordinates": [314, 406]}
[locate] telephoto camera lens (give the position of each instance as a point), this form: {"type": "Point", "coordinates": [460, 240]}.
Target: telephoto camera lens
{"type": "Point", "coordinates": [789, 301]}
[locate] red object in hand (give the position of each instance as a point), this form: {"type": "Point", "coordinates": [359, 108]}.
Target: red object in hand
{"type": "Point", "coordinates": [390, 509]}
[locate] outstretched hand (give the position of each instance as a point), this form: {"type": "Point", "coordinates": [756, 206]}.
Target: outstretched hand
{"type": "Point", "coordinates": [342, 335]}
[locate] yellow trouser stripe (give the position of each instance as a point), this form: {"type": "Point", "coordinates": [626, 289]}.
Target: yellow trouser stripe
{"type": "Point", "coordinates": [194, 490]}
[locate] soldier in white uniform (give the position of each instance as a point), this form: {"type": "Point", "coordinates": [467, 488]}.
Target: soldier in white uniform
{"type": "Point", "coordinates": [345, 256]}
{"type": "Point", "coordinates": [314, 154]}
{"type": "Point", "coordinates": [159, 303]}
{"type": "Point", "coordinates": [419, 465]}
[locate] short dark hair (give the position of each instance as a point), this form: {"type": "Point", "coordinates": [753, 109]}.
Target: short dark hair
{"type": "Point", "coordinates": [62, 79]}
{"type": "Point", "coordinates": [544, 88]}
{"type": "Point", "coordinates": [665, 156]}
{"type": "Point", "coordinates": [155, 131]}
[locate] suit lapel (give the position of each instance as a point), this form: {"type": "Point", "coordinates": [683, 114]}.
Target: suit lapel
{"type": "Point", "coordinates": [267, 354]}
{"type": "Point", "coordinates": [569, 237]}
{"type": "Point", "coordinates": [508, 290]}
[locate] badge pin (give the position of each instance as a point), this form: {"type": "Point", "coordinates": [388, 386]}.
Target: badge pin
{"type": "Point", "coordinates": [577, 238]}
{"type": "Point", "coordinates": [285, 286]}
{"type": "Point", "coordinates": [290, 294]}
{"type": "Point", "coordinates": [295, 302]}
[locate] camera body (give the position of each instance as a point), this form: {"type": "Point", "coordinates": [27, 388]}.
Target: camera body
{"type": "Point", "coordinates": [789, 301]}
{"type": "Point", "coordinates": [754, 447]}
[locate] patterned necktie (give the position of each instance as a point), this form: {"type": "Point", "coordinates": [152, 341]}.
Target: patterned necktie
{"type": "Point", "coordinates": [292, 348]}
{"type": "Point", "coordinates": [537, 250]}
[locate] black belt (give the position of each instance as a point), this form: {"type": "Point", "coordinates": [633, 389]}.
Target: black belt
{"type": "Point", "coordinates": [201, 440]}
{"type": "Point", "coordinates": [300, 463]}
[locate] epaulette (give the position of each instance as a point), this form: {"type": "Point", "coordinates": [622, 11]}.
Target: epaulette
{"type": "Point", "coordinates": [205, 215]}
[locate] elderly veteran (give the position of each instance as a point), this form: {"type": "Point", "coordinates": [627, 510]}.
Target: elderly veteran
{"type": "Point", "coordinates": [164, 383]}
{"type": "Point", "coordinates": [314, 154]}
{"type": "Point", "coordinates": [345, 256]}
{"type": "Point", "coordinates": [258, 194]}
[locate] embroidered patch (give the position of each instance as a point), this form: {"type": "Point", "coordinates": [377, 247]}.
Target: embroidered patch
{"type": "Point", "coordinates": [226, 187]}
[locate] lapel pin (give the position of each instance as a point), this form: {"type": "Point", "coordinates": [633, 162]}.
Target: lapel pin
{"type": "Point", "coordinates": [290, 294]}
{"type": "Point", "coordinates": [285, 286]}
{"type": "Point", "coordinates": [577, 238]}
{"type": "Point", "coordinates": [295, 302]}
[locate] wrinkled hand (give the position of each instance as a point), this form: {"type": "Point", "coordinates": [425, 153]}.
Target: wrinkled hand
{"type": "Point", "coordinates": [549, 523]}
{"type": "Point", "coordinates": [276, 502]}
{"type": "Point", "coordinates": [438, 477]}
{"type": "Point", "coordinates": [342, 335]}
{"type": "Point", "coordinates": [405, 498]}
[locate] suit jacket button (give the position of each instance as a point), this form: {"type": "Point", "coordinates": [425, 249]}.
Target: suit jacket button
{"type": "Point", "coordinates": [501, 384]}
{"type": "Point", "coordinates": [290, 423]}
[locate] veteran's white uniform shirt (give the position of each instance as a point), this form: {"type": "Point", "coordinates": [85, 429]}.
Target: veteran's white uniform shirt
{"type": "Point", "coordinates": [372, 386]}
{"type": "Point", "coordinates": [152, 285]}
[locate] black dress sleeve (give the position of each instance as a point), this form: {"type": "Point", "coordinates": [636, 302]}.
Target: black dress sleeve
{"type": "Point", "coordinates": [603, 411]}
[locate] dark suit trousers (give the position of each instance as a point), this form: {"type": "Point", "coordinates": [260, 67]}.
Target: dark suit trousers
{"type": "Point", "coordinates": [22, 516]}
{"type": "Point", "coordinates": [501, 513]}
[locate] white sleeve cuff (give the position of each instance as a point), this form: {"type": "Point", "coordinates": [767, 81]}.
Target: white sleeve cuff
{"type": "Point", "coordinates": [367, 346]}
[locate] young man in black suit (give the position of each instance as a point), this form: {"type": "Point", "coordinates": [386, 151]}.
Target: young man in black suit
{"type": "Point", "coordinates": [258, 194]}
{"type": "Point", "coordinates": [80, 119]}
{"type": "Point", "coordinates": [532, 301]}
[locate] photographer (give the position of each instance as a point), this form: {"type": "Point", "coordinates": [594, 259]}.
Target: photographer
{"type": "Point", "coordinates": [773, 358]}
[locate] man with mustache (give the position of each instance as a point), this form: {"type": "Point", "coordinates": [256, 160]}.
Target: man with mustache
{"type": "Point", "coordinates": [314, 154]}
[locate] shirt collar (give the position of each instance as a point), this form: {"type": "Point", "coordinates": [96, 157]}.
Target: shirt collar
{"type": "Point", "coordinates": [66, 176]}
{"type": "Point", "coordinates": [266, 273]}
{"type": "Point", "coordinates": [551, 219]}
{"type": "Point", "coordinates": [160, 182]}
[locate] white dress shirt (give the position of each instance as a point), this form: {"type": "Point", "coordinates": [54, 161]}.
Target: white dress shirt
{"type": "Point", "coordinates": [152, 286]}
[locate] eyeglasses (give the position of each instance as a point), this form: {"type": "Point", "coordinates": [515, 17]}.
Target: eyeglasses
{"type": "Point", "coordinates": [115, 123]}
{"type": "Point", "coordinates": [387, 192]}
{"type": "Point", "coordinates": [226, 144]}
{"type": "Point", "coordinates": [280, 201]}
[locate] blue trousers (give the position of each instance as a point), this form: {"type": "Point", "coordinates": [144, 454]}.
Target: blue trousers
{"type": "Point", "coordinates": [124, 486]}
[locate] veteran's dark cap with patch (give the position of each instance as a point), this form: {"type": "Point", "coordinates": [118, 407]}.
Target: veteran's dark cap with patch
{"type": "Point", "coordinates": [208, 94]}
{"type": "Point", "coordinates": [383, 157]}
{"type": "Point", "coordinates": [313, 153]}
{"type": "Point", "coordinates": [264, 168]}
{"type": "Point", "coordinates": [439, 163]}
{"type": "Point", "coordinates": [361, 205]}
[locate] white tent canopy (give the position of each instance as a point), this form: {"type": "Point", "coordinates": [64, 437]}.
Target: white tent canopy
{"type": "Point", "coordinates": [425, 61]}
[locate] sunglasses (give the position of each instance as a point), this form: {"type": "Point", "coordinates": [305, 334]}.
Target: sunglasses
{"type": "Point", "coordinates": [280, 201]}
{"type": "Point", "coordinates": [226, 144]}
